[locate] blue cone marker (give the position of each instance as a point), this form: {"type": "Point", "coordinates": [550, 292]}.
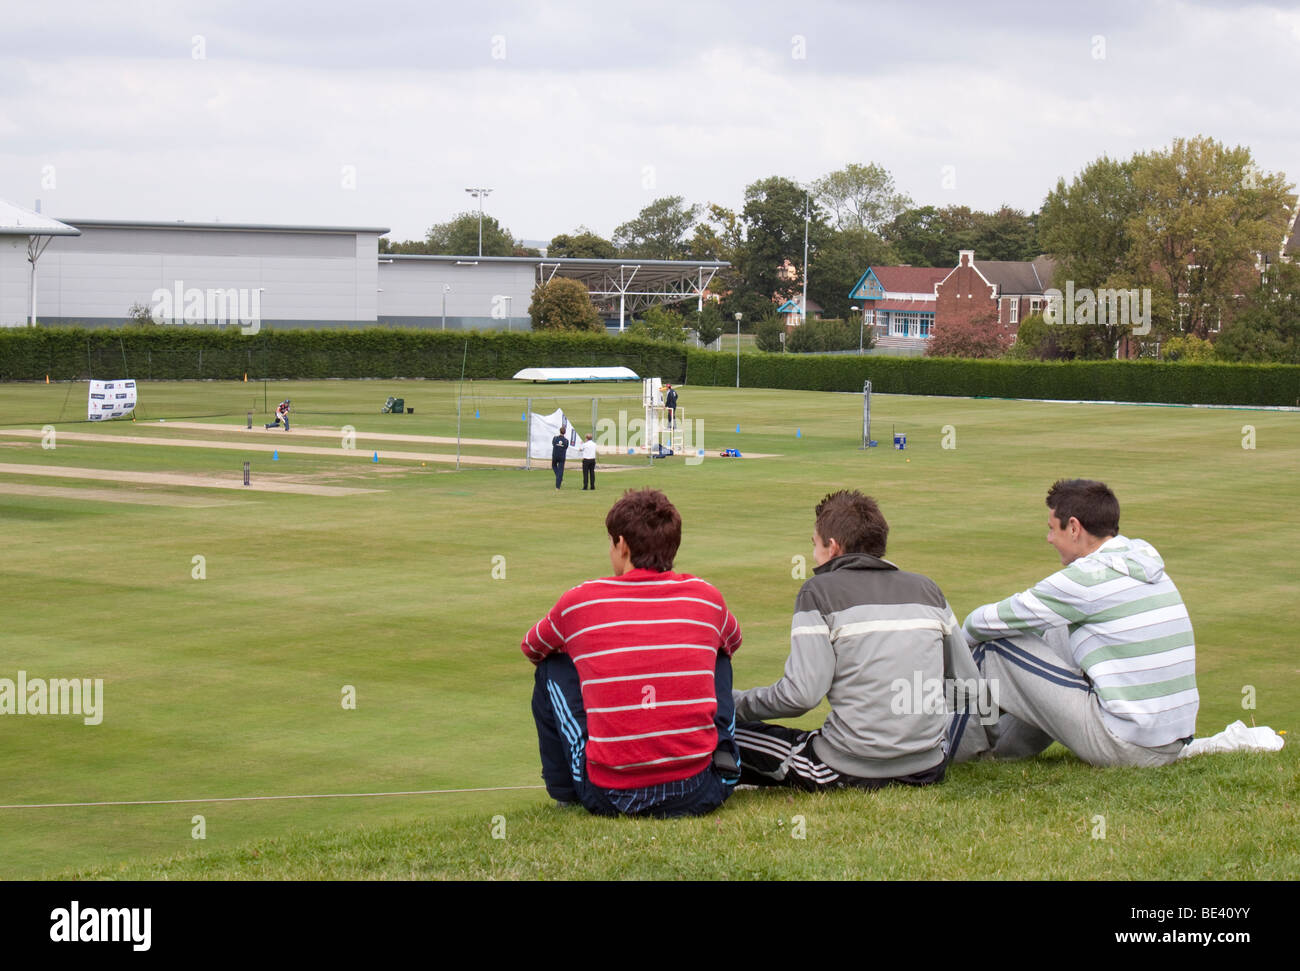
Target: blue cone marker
{"type": "Point", "coordinates": [275, 456]}
{"type": "Point", "coordinates": [376, 458]}
{"type": "Point", "coordinates": [798, 434]}
{"type": "Point", "coordinates": [737, 429]}
{"type": "Point", "coordinates": [475, 412]}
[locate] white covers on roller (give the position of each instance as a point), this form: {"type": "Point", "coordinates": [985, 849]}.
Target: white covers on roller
{"type": "Point", "coordinates": [542, 428]}
{"type": "Point", "coordinates": [576, 374]}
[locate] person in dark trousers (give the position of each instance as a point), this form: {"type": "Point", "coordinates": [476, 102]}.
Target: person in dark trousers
{"type": "Point", "coordinates": [281, 415]}
{"type": "Point", "coordinates": [670, 403]}
{"type": "Point", "coordinates": [559, 449]}
{"type": "Point", "coordinates": [589, 464]}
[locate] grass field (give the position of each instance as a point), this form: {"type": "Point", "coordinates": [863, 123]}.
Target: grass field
{"type": "Point", "coordinates": [412, 584]}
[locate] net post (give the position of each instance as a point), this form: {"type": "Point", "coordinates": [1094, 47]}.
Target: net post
{"type": "Point", "coordinates": [866, 415]}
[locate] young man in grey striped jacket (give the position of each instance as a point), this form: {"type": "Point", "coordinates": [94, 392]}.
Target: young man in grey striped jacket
{"type": "Point", "coordinates": [1099, 656]}
{"type": "Point", "coordinates": [882, 646]}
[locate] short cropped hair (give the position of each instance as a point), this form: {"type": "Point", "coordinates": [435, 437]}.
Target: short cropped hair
{"type": "Point", "coordinates": [1089, 501]}
{"type": "Point", "coordinates": [650, 524]}
{"type": "Point", "coordinates": [854, 520]}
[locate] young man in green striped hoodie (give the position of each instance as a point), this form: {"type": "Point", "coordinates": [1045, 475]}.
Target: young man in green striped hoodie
{"type": "Point", "coordinates": [1099, 656]}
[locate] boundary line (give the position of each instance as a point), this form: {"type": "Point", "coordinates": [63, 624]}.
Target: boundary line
{"type": "Point", "coordinates": [323, 795]}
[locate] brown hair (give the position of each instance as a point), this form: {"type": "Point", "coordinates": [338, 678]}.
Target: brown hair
{"type": "Point", "coordinates": [1090, 502]}
{"type": "Point", "coordinates": [854, 520]}
{"type": "Point", "coordinates": [650, 524]}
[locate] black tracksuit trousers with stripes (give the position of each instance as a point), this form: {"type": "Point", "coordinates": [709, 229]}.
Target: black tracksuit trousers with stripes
{"type": "Point", "coordinates": [773, 755]}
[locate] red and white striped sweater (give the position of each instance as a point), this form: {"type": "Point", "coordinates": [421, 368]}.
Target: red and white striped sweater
{"type": "Point", "coordinates": [645, 645]}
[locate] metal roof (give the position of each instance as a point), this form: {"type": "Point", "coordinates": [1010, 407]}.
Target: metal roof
{"type": "Point", "coordinates": [228, 227]}
{"type": "Point", "coordinates": [17, 221]}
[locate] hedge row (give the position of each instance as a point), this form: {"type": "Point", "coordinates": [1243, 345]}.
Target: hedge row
{"type": "Point", "coordinates": [1173, 383]}
{"type": "Point", "coordinates": [186, 353]}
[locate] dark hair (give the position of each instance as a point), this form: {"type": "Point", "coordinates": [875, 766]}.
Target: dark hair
{"type": "Point", "coordinates": [650, 524]}
{"type": "Point", "coordinates": [854, 520]}
{"type": "Point", "coordinates": [1090, 502]}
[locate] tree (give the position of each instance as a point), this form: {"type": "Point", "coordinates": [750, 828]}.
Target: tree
{"type": "Point", "coordinates": [659, 230]}
{"type": "Point", "coordinates": [459, 237]}
{"type": "Point", "coordinates": [1269, 328]}
{"type": "Point", "coordinates": [1203, 213]}
{"type": "Point", "coordinates": [1084, 226]}
{"type": "Point", "coordinates": [1007, 234]}
{"type": "Point", "coordinates": [1033, 340]}
{"type": "Point", "coordinates": [708, 323]}
{"type": "Point", "coordinates": [917, 238]}
{"type": "Point", "coordinates": [419, 247]}
{"type": "Point", "coordinates": [822, 335]}
{"type": "Point", "coordinates": [1191, 348]}
{"type": "Point", "coordinates": [768, 331]}
{"type": "Point", "coordinates": [927, 236]}
{"type": "Point", "coordinates": [861, 197]}
{"type": "Point", "coordinates": [140, 315]}
{"type": "Point", "coordinates": [660, 324]}
{"type": "Point", "coordinates": [774, 232]}
{"type": "Point", "coordinates": [840, 261]}
{"type": "Point", "coordinates": [581, 244]}
{"type": "Point", "coordinates": [720, 237]}
{"type": "Point", "coordinates": [563, 304]}
{"type": "Point", "coordinates": [969, 338]}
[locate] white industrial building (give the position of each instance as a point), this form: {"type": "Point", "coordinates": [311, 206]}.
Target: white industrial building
{"type": "Point", "coordinates": [294, 276]}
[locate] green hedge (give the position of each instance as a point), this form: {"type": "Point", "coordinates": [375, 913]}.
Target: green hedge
{"type": "Point", "coordinates": [187, 353]}
{"type": "Point", "coordinates": [1154, 381]}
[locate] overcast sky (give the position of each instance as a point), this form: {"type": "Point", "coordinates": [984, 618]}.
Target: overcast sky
{"type": "Point", "coordinates": [327, 113]}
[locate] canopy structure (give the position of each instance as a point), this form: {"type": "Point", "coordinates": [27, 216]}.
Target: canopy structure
{"type": "Point", "coordinates": [566, 374]}
{"type": "Point", "coordinates": [39, 230]}
{"type": "Point", "coordinates": [636, 283]}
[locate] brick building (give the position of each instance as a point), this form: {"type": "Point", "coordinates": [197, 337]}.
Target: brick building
{"type": "Point", "coordinates": [997, 293]}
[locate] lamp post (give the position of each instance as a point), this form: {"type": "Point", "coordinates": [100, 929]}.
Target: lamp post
{"type": "Point", "coordinates": [738, 316]}
{"type": "Point", "coordinates": [446, 288]}
{"type": "Point", "coordinates": [479, 194]}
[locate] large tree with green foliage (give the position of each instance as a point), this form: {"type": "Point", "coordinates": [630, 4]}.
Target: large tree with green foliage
{"type": "Point", "coordinates": [660, 324]}
{"type": "Point", "coordinates": [563, 304]}
{"type": "Point", "coordinates": [1203, 213]}
{"type": "Point", "coordinates": [459, 237]}
{"type": "Point", "coordinates": [838, 264]}
{"type": "Point", "coordinates": [581, 244]}
{"type": "Point", "coordinates": [659, 231]}
{"type": "Point", "coordinates": [1269, 328]}
{"type": "Point", "coordinates": [1085, 226]}
{"type": "Point", "coordinates": [860, 197]}
{"type": "Point", "coordinates": [774, 232]}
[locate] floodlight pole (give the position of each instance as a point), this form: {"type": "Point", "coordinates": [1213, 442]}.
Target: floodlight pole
{"type": "Point", "coordinates": [445, 288]}
{"type": "Point", "coordinates": [738, 316]}
{"type": "Point", "coordinates": [803, 309]}
{"type": "Point", "coordinates": [479, 194]}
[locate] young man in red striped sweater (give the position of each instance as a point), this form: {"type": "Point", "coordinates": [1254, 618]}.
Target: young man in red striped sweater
{"type": "Point", "coordinates": [632, 694]}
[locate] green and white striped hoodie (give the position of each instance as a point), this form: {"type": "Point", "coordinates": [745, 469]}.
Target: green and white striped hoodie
{"type": "Point", "coordinates": [1129, 632]}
